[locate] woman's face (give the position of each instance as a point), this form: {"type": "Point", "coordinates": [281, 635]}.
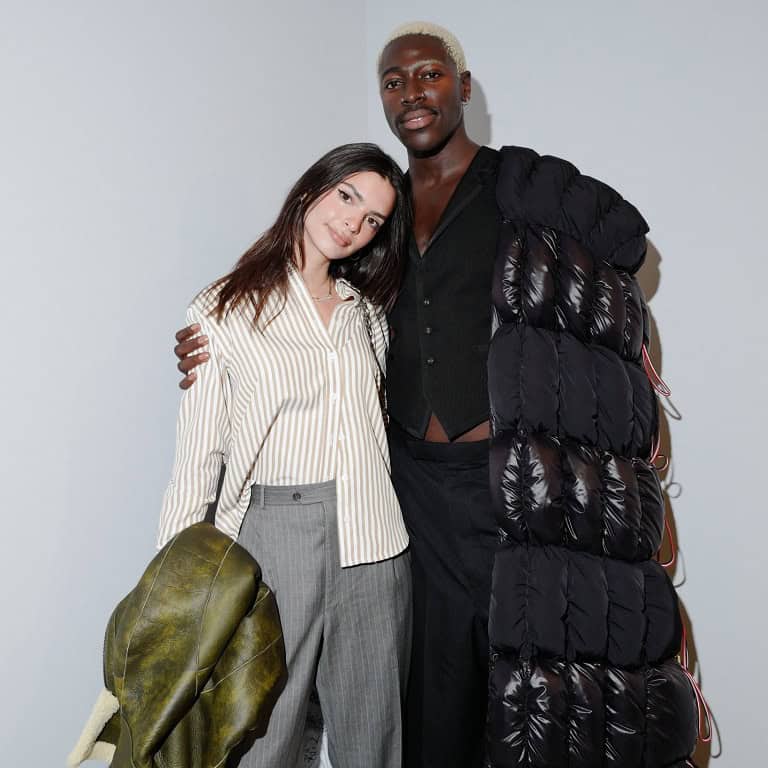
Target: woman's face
{"type": "Point", "coordinates": [348, 216]}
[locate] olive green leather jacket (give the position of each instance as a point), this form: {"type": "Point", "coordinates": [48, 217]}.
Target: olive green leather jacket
{"type": "Point", "coordinates": [193, 659]}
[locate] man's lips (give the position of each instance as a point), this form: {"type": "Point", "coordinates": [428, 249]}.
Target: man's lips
{"type": "Point", "coordinates": [416, 118]}
{"type": "Point", "coordinates": [338, 239]}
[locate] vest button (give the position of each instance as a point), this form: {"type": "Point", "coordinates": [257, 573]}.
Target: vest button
{"type": "Point", "coordinates": [426, 302]}
{"type": "Point", "coordinates": [428, 330]}
{"type": "Point", "coordinates": [430, 361]}
{"type": "Point", "coordinates": [297, 496]}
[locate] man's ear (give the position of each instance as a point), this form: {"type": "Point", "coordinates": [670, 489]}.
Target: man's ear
{"type": "Point", "coordinates": [466, 86]}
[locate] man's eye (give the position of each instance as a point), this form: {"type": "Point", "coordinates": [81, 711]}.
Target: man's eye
{"type": "Point", "coordinates": [391, 84]}
{"type": "Point", "coordinates": [432, 75]}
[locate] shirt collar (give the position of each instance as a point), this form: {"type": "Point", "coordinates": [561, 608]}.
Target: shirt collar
{"type": "Point", "coordinates": [346, 290]}
{"type": "Point", "coordinates": [481, 171]}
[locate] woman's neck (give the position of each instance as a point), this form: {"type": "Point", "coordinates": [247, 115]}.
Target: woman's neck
{"type": "Point", "coordinates": [316, 277]}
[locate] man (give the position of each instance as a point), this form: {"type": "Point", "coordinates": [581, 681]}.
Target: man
{"type": "Point", "coordinates": [438, 394]}
{"type": "Point", "coordinates": [437, 383]}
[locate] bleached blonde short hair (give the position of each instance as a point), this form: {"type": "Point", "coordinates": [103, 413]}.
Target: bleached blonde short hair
{"type": "Point", "coordinates": [448, 39]}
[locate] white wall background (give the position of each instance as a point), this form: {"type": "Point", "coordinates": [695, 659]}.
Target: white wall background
{"type": "Point", "coordinates": [144, 146]}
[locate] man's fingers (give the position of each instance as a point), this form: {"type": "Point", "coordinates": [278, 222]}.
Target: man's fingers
{"type": "Point", "coordinates": [187, 381]}
{"type": "Point", "coordinates": [190, 362]}
{"type": "Point", "coordinates": [189, 354]}
{"type": "Point", "coordinates": [184, 348]}
{"type": "Point", "coordinates": [188, 331]}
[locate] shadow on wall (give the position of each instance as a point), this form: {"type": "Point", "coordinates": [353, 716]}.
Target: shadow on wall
{"type": "Point", "coordinates": [649, 278]}
{"type": "Point", "coordinates": [477, 118]}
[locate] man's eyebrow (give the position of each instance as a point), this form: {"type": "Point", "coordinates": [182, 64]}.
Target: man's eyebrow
{"type": "Point", "coordinates": [362, 199]}
{"type": "Point", "coordinates": [416, 65]}
{"type": "Point", "coordinates": [389, 71]}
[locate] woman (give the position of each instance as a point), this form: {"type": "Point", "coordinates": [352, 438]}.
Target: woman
{"type": "Point", "coordinates": [289, 399]}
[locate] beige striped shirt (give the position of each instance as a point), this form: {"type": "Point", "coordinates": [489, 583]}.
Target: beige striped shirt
{"type": "Point", "coordinates": [293, 404]}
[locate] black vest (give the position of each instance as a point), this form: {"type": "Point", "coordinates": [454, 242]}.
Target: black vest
{"type": "Point", "coordinates": [441, 322]}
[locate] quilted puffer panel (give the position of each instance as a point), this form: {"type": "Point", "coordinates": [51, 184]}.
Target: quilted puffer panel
{"type": "Point", "coordinates": [583, 715]}
{"type": "Point", "coordinates": [551, 491]}
{"type": "Point", "coordinates": [584, 624]}
{"type": "Point", "coordinates": [549, 280]}
{"type": "Point", "coordinates": [555, 603]}
{"type": "Point", "coordinates": [544, 381]}
{"type": "Point", "coordinates": [550, 192]}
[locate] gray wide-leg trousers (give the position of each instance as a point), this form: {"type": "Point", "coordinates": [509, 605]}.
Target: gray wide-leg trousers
{"type": "Point", "coordinates": [348, 630]}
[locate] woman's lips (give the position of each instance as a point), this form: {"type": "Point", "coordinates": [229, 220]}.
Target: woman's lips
{"type": "Point", "coordinates": [338, 239]}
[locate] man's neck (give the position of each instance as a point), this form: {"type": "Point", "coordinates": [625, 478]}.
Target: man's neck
{"type": "Point", "coordinates": [446, 164]}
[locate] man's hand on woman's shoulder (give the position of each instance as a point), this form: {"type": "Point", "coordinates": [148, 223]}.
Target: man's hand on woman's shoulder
{"type": "Point", "coordinates": [190, 350]}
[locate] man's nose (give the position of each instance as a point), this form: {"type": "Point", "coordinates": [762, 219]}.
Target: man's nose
{"type": "Point", "coordinates": [413, 91]}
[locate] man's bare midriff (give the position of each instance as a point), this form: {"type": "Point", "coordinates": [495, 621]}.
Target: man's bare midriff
{"type": "Point", "coordinates": [436, 433]}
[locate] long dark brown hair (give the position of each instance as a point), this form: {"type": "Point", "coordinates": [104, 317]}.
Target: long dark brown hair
{"type": "Point", "coordinates": [375, 270]}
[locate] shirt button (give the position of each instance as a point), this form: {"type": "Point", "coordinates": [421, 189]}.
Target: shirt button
{"type": "Point", "coordinates": [334, 397]}
{"type": "Point", "coordinates": [428, 330]}
{"type": "Point", "coordinates": [297, 496]}
{"type": "Point", "coordinates": [430, 361]}
{"type": "Point", "coordinates": [331, 355]}
{"type": "Point", "coordinates": [426, 302]}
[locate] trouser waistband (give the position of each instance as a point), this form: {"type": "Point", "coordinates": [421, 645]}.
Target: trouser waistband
{"type": "Point", "coordinates": [274, 495]}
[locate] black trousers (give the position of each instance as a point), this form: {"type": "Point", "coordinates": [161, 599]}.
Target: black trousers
{"type": "Point", "coordinates": [443, 491]}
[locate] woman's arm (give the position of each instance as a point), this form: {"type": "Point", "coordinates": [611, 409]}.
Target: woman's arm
{"type": "Point", "coordinates": [201, 437]}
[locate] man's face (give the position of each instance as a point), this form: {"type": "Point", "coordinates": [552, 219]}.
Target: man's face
{"type": "Point", "coordinates": [421, 92]}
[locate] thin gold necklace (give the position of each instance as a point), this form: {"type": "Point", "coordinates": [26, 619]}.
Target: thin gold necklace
{"type": "Point", "coordinates": [324, 298]}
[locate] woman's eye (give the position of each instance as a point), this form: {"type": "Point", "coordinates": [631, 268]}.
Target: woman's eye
{"type": "Point", "coordinates": [374, 223]}
{"type": "Point", "coordinates": [344, 196]}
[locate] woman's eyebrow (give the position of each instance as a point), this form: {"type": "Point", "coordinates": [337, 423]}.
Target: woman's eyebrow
{"type": "Point", "coordinates": [362, 199]}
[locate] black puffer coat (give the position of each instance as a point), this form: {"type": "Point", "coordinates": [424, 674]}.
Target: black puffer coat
{"type": "Point", "coordinates": [584, 623]}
